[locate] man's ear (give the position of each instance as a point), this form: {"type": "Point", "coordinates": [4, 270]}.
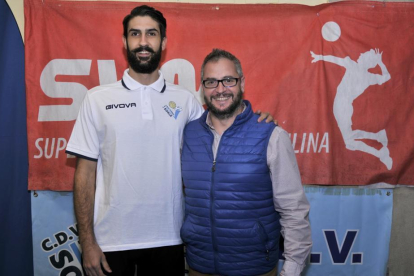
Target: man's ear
{"type": "Point", "coordinates": [242, 82]}
{"type": "Point", "coordinates": [124, 41]}
{"type": "Point", "coordinates": [164, 43]}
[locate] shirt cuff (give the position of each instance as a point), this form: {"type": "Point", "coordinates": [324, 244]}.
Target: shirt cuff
{"type": "Point", "coordinates": [291, 269]}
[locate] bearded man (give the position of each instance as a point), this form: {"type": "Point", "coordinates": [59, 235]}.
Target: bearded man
{"type": "Point", "coordinates": [242, 184]}
{"type": "Point", "coordinates": [127, 191]}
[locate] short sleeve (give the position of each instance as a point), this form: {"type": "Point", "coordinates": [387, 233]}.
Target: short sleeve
{"type": "Point", "coordinates": [196, 109]}
{"type": "Point", "coordinates": [84, 141]}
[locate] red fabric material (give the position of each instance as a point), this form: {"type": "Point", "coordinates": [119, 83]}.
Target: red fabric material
{"type": "Point", "coordinates": [273, 43]}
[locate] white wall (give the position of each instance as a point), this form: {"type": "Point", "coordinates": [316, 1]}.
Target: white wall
{"type": "Point", "coordinates": [17, 5]}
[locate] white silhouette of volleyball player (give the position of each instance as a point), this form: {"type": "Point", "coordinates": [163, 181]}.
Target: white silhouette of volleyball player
{"type": "Point", "coordinates": [353, 84]}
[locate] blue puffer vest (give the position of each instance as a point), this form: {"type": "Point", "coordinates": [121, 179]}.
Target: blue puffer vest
{"type": "Point", "coordinates": [231, 226]}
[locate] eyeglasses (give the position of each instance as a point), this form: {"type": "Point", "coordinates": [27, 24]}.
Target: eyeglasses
{"type": "Point", "coordinates": [226, 82]}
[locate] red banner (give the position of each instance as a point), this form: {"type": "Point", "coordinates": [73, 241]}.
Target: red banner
{"type": "Point", "coordinates": [338, 77]}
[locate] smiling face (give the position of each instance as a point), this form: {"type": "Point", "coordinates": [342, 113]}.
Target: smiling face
{"type": "Point", "coordinates": [144, 44]}
{"type": "Point", "coordinates": [223, 102]}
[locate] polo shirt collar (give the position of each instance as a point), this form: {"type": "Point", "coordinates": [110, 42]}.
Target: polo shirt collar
{"type": "Point", "coordinates": [129, 83]}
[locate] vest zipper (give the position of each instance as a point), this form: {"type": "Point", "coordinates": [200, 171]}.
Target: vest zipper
{"type": "Point", "coordinates": [213, 232]}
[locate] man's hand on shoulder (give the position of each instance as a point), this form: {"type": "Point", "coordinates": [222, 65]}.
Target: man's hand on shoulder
{"type": "Point", "coordinates": [93, 257]}
{"type": "Point", "coordinates": [265, 116]}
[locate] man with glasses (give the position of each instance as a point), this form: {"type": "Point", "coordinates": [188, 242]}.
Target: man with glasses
{"type": "Point", "coordinates": [242, 184]}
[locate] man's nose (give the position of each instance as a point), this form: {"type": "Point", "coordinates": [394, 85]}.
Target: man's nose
{"type": "Point", "coordinates": [143, 41]}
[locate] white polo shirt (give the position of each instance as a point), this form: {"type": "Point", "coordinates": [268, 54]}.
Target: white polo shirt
{"type": "Point", "coordinates": [134, 132]}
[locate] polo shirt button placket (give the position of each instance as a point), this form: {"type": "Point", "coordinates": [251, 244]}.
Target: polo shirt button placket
{"type": "Point", "coordinates": [146, 102]}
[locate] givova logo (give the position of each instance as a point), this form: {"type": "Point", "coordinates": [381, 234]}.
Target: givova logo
{"type": "Point", "coordinates": [67, 256]}
{"type": "Point", "coordinates": [339, 253]}
{"type": "Point", "coordinates": [122, 105]}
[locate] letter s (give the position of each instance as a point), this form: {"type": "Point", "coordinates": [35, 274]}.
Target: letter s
{"type": "Point", "coordinates": [53, 89]}
{"type": "Point", "coordinates": [39, 148]}
{"type": "Point", "coordinates": [59, 261]}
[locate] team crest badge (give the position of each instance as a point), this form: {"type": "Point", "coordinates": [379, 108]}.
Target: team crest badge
{"type": "Point", "coordinates": [172, 109]}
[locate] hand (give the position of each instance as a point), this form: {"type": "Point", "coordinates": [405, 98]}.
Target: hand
{"type": "Point", "coordinates": [265, 115]}
{"type": "Point", "coordinates": [315, 57]}
{"type": "Point", "coordinates": [93, 257]}
{"type": "Point", "coordinates": [378, 55]}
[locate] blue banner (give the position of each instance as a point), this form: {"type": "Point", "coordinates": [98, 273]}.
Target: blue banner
{"type": "Point", "coordinates": [55, 235]}
{"type": "Point", "coordinates": [16, 256]}
{"type": "Point", "coordinates": [351, 230]}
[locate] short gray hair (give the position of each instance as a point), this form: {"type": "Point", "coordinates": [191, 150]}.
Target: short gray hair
{"type": "Point", "coordinates": [217, 54]}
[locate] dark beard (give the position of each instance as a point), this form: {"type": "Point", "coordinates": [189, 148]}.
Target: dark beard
{"type": "Point", "coordinates": [229, 111]}
{"type": "Point", "coordinates": [144, 67]}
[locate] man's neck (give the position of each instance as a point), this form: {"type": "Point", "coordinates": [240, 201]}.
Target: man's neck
{"type": "Point", "coordinates": [144, 79]}
{"type": "Point", "coordinates": [221, 125]}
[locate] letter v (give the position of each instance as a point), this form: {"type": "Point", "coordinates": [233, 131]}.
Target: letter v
{"type": "Point", "coordinates": [339, 254]}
